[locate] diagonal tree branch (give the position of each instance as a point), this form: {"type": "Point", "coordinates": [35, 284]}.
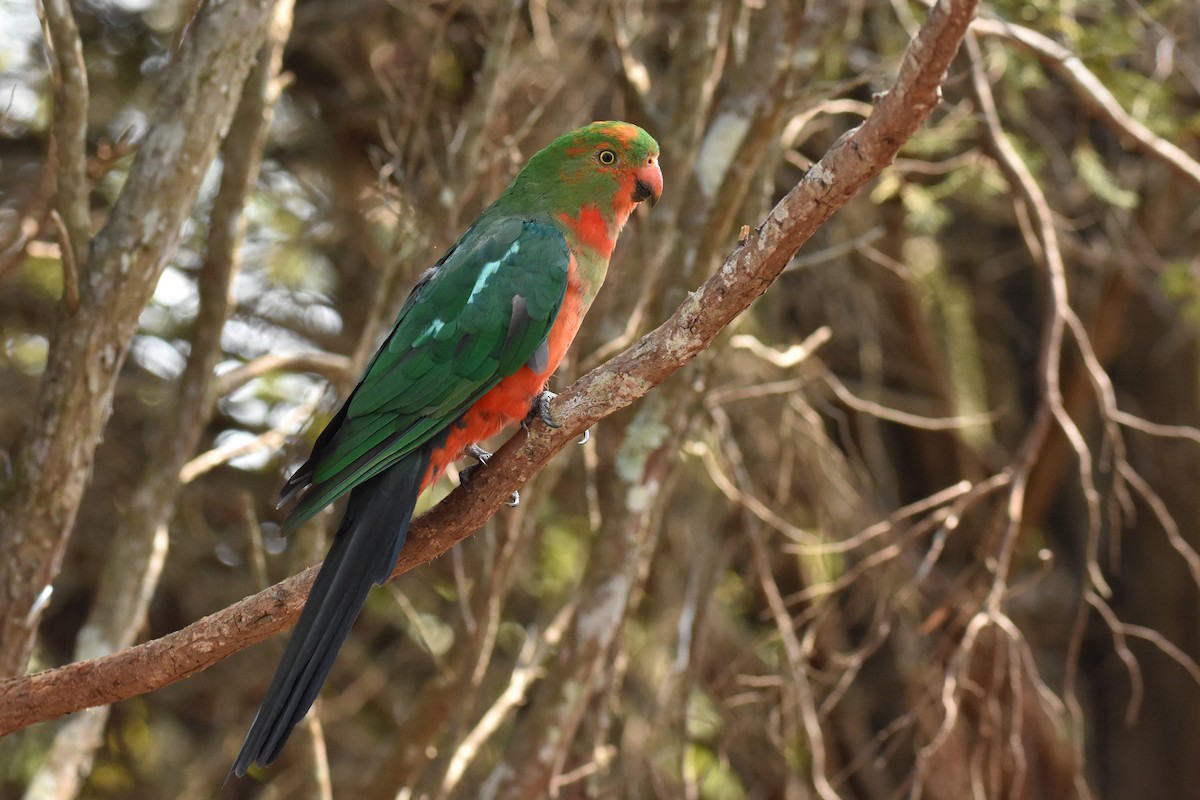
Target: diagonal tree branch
{"type": "Point", "coordinates": [746, 274]}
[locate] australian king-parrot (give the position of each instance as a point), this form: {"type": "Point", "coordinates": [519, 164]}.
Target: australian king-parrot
{"type": "Point", "coordinates": [470, 353]}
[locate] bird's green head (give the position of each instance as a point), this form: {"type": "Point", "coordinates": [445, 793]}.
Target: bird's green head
{"type": "Point", "coordinates": [608, 166]}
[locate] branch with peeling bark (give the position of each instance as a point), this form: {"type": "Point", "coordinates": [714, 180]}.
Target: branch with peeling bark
{"type": "Point", "coordinates": [746, 274]}
{"type": "Point", "coordinates": [122, 267]}
{"type": "Point", "coordinates": [137, 554]}
{"type": "Point", "coordinates": [70, 138]}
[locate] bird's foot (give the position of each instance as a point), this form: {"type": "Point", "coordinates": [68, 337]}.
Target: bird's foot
{"type": "Point", "coordinates": [587, 437]}
{"type": "Point", "coordinates": [466, 473]}
{"type": "Point", "coordinates": [541, 410]}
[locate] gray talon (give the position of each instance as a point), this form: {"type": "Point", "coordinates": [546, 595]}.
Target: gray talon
{"type": "Point", "coordinates": [465, 474]}
{"type": "Point", "coordinates": [541, 410]}
{"type": "Point", "coordinates": [587, 437]}
{"type": "Point", "coordinates": [514, 500]}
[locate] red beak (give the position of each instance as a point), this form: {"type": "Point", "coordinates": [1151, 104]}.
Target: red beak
{"type": "Point", "coordinates": [648, 182]}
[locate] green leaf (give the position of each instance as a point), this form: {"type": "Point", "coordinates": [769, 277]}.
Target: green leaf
{"type": "Point", "coordinates": [1095, 175]}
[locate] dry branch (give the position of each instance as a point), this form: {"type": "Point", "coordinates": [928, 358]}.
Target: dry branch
{"type": "Point", "coordinates": [1093, 92]}
{"type": "Point", "coordinates": [88, 348]}
{"type": "Point", "coordinates": [137, 554]}
{"type": "Point", "coordinates": [746, 274]}
{"type": "Point", "coordinates": [70, 137]}
{"type": "Point", "coordinates": [332, 367]}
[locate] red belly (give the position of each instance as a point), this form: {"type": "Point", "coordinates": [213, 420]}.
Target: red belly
{"type": "Point", "coordinates": [511, 399]}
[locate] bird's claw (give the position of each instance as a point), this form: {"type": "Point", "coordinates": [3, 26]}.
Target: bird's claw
{"type": "Point", "coordinates": [541, 410]}
{"type": "Point", "coordinates": [587, 437]}
{"type": "Point", "coordinates": [465, 474]}
{"type": "Point", "coordinates": [483, 456]}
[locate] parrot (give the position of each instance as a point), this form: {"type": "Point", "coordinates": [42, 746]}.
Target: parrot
{"type": "Point", "coordinates": [470, 353]}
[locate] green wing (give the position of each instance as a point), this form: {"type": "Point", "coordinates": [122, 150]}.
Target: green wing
{"type": "Point", "coordinates": [477, 317]}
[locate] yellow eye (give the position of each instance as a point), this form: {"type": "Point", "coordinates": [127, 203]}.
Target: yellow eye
{"type": "Point", "coordinates": [607, 157]}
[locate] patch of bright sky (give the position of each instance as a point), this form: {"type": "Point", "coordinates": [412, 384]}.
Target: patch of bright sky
{"type": "Point", "coordinates": [174, 287]}
{"type": "Point", "coordinates": [19, 28]}
{"type": "Point", "coordinates": [288, 190]}
{"type": "Point", "coordinates": [163, 13]}
{"type": "Point", "coordinates": [175, 303]}
{"type": "Point", "coordinates": [20, 61]}
{"type": "Point", "coordinates": [253, 412]}
{"type": "Point", "coordinates": [267, 401]}
{"type": "Point", "coordinates": [250, 337]}
{"type": "Point", "coordinates": [158, 356]}
{"type": "Point", "coordinates": [22, 77]}
{"type": "Point", "coordinates": [254, 289]}
{"type": "Point", "coordinates": [246, 407]}
{"type": "Point", "coordinates": [253, 461]}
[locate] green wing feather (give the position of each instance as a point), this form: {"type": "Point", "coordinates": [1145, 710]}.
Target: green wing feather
{"type": "Point", "coordinates": [481, 314]}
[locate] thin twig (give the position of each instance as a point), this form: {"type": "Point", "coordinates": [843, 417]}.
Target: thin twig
{"type": "Point", "coordinates": [69, 266]}
{"type": "Point", "coordinates": [1137, 684]}
{"type": "Point", "coordinates": [883, 412]}
{"type": "Point", "coordinates": [1156, 429]}
{"type": "Point", "coordinates": [70, 131]}
{"type": "Point", "coordinates": [530, 661]}
{"type": "Point", "coordinates": [331, 366]}
{"type": "Point", "coordinates": [1092, 91]}
{"type": "Point", "coordinates": [746, 274]}
{"type": "Point", "coordinates": [272, 439]}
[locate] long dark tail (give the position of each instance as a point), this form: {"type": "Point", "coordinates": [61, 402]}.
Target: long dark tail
{"type": "Point", "coordinates": [363, 553]}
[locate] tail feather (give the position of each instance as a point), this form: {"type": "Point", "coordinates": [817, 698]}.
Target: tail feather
{"type": "Point", "coordinates": [363, 553]}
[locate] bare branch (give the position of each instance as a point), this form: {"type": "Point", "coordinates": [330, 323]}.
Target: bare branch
{"type": "Point", "coordinates": [70, 267]}
{"type": "Point", "coordinates": [1137, 684]}
{"type": "Point", "coordinates": [904, 418]}
{"type": "Point", "coordinates": [1050, 356]}
{"type": "Point", "coordinates": [1156, 429]}
{"type": "Point", "coordinates": [137, 553]}
{"type": "Point", "coordinates": [1093, 92]}
{"type": "Point", "coordinates": [271, 439]}
{"type": "Point", "coordinates": [1163, 515]}
{"type": "Point", "coordinates": [530, 663]}
{"type": "Point", "coordinates": [331, 366]}
{"type": "Point", "coordinates": [70, 135]}
{"type": "Point", "coordinates": [746, 274]}
{"type": "Point", "coordinates": [54, 461]}
{"type": "Point", "coordinates": [797, 661]}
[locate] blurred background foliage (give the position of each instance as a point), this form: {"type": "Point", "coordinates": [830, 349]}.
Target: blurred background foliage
{"type": "Point", "coordinates": [784, 599]}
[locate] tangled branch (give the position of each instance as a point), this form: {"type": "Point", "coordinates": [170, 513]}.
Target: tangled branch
{"type": "Point", "coordinates": [746, 274]}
